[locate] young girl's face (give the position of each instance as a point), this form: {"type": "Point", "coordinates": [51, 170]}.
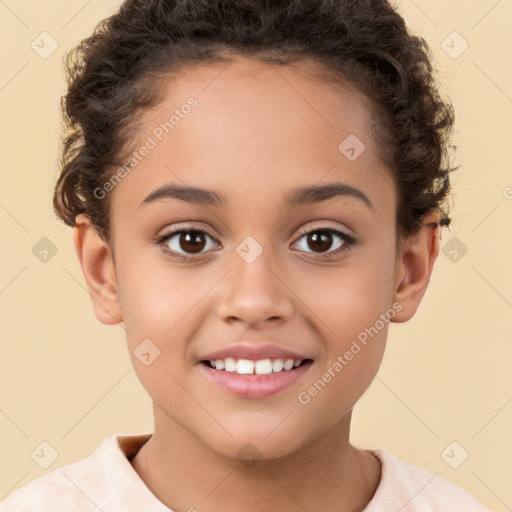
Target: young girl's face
{"type": "Point", "coordinates": [252, 276]}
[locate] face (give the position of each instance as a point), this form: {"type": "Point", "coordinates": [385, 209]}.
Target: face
{"type": "Point", "coordinates": [262, 267]}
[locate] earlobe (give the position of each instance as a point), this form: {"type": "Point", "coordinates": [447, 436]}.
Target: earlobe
{"type": "Point", "coordinates": [414, 267]}
{"type": "Point", "coordinates": [97, 265]}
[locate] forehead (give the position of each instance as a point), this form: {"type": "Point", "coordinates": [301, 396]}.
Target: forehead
{"type": "Point", "coordinates": [247, 93]}
{"type": "Point", "coordinates": [256, 130]}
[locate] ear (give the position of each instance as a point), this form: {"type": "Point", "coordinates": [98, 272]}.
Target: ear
{"type": "Point", "coordinates": [97, 265]}
{"type": "Point", "coordinates": [414, 264]}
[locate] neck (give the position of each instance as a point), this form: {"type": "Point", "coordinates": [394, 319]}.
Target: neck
{"type": "Point", "coordinates": [327, 474]}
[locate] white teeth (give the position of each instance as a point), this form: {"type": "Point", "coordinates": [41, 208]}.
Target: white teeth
{"type": "Point", "coordinates": [244, 366]}
{"type": "Point", "coordinates": [288, 364]}
{"type": "Point", "coordinates": [277, 365]}
{"type": "Point", "coordinates": [229, 364]}
{"type": "Point", "coordinates": [259, 367]}
{"type": "Point", "coordinates": [263, 367]}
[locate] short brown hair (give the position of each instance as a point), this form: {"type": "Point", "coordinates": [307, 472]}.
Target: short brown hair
{"type": "Point", "coordinates": [113, 74]}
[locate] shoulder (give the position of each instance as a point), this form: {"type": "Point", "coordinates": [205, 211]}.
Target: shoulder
{"type": "Point", "coordinates": [76, 486]}
{"type": "Point", "coordinates": [408, 488]}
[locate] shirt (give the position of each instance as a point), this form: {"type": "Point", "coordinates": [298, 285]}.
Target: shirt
{"type": "Point", "coordinates": [107, 481]}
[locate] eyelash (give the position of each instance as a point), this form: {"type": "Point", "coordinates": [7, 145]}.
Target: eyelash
{"type": "Point", "coordinates": [348, 240]}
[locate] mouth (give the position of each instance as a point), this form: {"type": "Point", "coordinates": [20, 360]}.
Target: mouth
{"type": "Point", "coordinates": [255, 379]}
{"type": "Point", "coordinates": [266, 366]}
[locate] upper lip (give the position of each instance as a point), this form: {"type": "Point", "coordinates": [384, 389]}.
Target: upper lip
{"type": "Point", "coordinates": [253, 352]}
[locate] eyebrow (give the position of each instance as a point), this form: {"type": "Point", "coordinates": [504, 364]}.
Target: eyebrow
{"type": "Point", "coordinates": [297, 197]}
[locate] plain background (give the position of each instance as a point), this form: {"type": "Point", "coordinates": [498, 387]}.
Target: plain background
{"type": "Point", "coordinates": [67, 380]}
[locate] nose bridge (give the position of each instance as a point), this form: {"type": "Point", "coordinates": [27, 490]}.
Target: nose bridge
{"type": "Point", "coordinates": [253, 291]}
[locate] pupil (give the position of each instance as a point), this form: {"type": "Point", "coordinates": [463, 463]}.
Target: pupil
{"type": "Point", "coordinates": [322, 238]}
{"type": "Point", "coordinates": [192, 239]}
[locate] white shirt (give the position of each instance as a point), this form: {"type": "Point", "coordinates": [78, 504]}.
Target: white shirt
{"type": "Point", "coordinates": [106, 481]}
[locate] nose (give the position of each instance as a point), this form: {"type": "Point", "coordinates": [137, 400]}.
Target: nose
{"type": "Point", "coordinates": [255, 294]}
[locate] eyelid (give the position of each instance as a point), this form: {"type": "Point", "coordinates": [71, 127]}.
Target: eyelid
{"type": "Point", "coordinates": [187, 226]}
{"type": "Point", "coordinates": [321, 225]}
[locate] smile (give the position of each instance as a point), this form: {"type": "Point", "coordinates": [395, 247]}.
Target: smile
{"type": "Point", "coordinates": [258, 367]}
{"type": "Point", "coordinates": [260, 378]}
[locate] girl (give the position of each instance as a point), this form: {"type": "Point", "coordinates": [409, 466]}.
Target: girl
{"type": "Point", "coordinates": [256, 191]}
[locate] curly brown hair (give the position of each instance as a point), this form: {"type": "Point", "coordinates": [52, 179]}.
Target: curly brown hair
{"type": "Point", "coordinates": [116, 72]}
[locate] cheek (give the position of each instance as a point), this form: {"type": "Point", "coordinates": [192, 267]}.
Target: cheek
{"type": "Point", "coordinates": [163, 308]}
{"type": "Point", "coordinates": [160, 307]}
{"type": "Point", "coordinates": [158, 299]}
{"type": "Point", "coordinates": [350, 298]}
{"type": "Point", "coordinates": [352, 309]}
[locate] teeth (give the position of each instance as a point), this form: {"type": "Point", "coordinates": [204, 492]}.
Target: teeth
{"type": "Point", "coordinates": [277, 365]}
{"type": "Point", "coordinates": [259, 367]}
{"type": "Point", "coordinates": [263, 367]}
{"type": "Point", "coordinates": [288, 364]}
{"type": "Point", "coordinates": [244, 366]}
{"type": "Point", "coordinates": [229, 364]}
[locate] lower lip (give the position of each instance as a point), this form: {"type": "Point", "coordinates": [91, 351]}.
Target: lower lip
{"type": "Point", "coordinates": [255, 386]}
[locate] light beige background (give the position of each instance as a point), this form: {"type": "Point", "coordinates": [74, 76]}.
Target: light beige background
{"type": "Point", "coordinates": [67, 380]}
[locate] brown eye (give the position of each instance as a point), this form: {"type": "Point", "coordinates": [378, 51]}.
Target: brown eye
{"type": "Point", "coordinates": [191, 241]}
{"type": "Point", "coordinates": [325, 242]}
{"type": "Point", "coordinates": [184, 242]}
{"type": "Point", "coordinates": [319, 241]}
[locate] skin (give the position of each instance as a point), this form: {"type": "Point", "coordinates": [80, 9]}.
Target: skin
{"type": "Point", "coordinates": [257, 132]}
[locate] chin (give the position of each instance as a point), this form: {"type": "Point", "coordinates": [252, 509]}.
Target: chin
{"type": "Point", "coordinates": [252, 445]}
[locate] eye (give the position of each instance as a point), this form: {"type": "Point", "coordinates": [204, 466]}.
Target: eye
{"type": "Point", "coordinates": [185, 243]}
{"type": "Point", "coordinates": [323, 242]}
{"type": "Point", "coordinates": [190, 240]}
